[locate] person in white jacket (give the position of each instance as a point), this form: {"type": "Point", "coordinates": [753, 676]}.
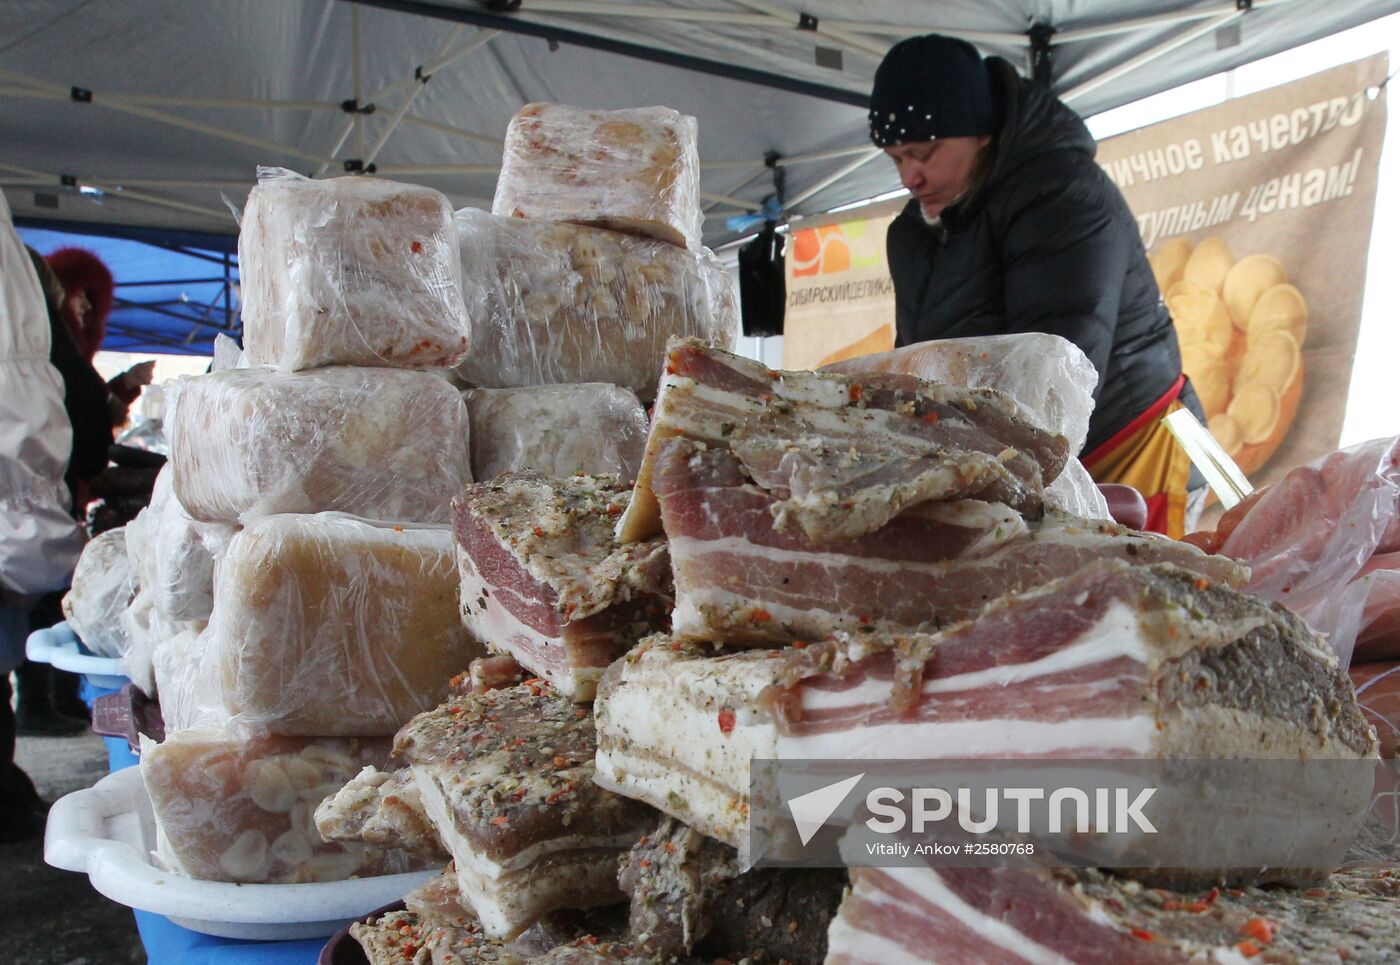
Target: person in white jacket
{"type": "Point", "coordinates": [39, 540]}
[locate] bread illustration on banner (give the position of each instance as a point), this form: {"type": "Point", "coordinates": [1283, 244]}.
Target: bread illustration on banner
{"type": "Point", "coordinates": [1241, 325]}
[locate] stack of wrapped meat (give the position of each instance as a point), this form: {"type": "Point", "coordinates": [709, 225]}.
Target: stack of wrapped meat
{"type": "Point", "coordinates": [297, 598]}
{"type": "Point", "coordinates": [854, 565]}
{"type": "Point", "coordinates": [588, 262]}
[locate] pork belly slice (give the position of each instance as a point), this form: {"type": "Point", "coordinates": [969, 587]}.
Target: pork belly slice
{"type": "Point", "coordinates": [380, 808]}
{"type": "Point", "coordinates": [411, 938]}
{"type": "Point", "coordinates": [910, 915]}
{"type": "Point", "coordinates": [743, 582]}
{"type": "Point", "coordinates": [544, 580]}
{"type": "Point", "coordinates": [688, 894]}
{"type": "Point", "coordinates": [506, 778]}
{"type": "Point", "coordinates": [844, 454]}
{"type": "Point", "coordinates": [1112, 661]}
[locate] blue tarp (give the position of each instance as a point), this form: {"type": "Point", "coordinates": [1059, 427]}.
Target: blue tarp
{"type": "Point", "coordinates": [176, 290]}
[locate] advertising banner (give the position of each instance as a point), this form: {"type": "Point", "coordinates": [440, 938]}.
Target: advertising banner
{"type": "Point", "coordinates": [1256, 215]}
{"type": "Point", "coordinates": [840, 300]}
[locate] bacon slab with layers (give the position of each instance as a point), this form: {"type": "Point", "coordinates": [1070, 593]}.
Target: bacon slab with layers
{"type": "Point", "coordinates": [742, 582]}
{"type": "Point", "coordinates": [506, 778]}
{"type": "Point", "coordinates": [1113, 661]}
{"type": "Point", "coordinates": [544, 580]}
{"type": "Point", "coordinates": [844, 455]}
{"type": "Point", "coordinates": [905, 916]}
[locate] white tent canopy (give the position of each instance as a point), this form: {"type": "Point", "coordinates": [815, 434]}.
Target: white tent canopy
{"type": "Point", "coordinates": [152, 112]}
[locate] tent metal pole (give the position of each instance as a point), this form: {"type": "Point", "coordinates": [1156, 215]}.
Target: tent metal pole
{"type": "Point", "coordinates": [778, 17]}
{"type": "Point", "coordinates": [788, 161]}
{"type": "Point", "coordinates": [357, 75]}
{"type": "Point", "coordinates": [340, 143]}
{"type": "Point", "coordinates": [1154, 53]}
{"type": "Point", "coordinates": [399, 169]}
{"type": "Point", "coordinates": [822, 155]}
{"type": "Point", "coordinates": [155, 307]}
{"type": "Point", "coordinates": [149, 100]}
{"type": "Point", "coordinates": [161, 100]}
{"type": "Point", "coordinates": [439, 61]}
{"type": "Point", "coordinates": [753, 176]}
{"type": "Point", "coordinates": [166, 183]}
{"type": "Point", "coordinates": [726, 199]}
{"type": "Point", "coordinates": [418, 121]}
{"type": "Point", "coordinates": [480, 40]}
{"type": "Point", "coordinates": [1156, 20]}
{"type": "Point", "coordinates": [54, 180]}
{"type": "Point", "coordinates": [826, 182]}
{"type": "Point", "coordinates": [228, 294]}
{"type": "Point", "coordinates": [168, 281]}
{"type": "Point", "coordinates": [32, 93]}
{"type": "Point", "coordinates": [590, 8]}
{"type": "Point", "coordinates": [141, 338]}
{"type": "Point", "coordinates": [115, 102]}
{"type": "Point", "coordinates": [514, 24]}
{"type": "Point", "coordinates": [990, 37]}
{"type": "Point", "coordinates": [785, 18]}
{"type": "Point", "coordinates": [189, 252]}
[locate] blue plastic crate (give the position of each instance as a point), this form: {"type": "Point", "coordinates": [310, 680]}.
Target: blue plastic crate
{"type": "Point", "coordinates": [169, 944]}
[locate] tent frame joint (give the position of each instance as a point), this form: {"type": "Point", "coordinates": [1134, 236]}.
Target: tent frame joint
{"type": "Point", "coordinates": [807, 21]}
{"type": "Point", "coordinates": [80, 95]}
{"type": "Point", "coordinates": [354, 165]}
{"type": "Point", "coordinates": [1042, 54]}
{"type": "Point", "coordinates": [1245, 5]}
{"type": "Point", "coordinates": [352, 105]}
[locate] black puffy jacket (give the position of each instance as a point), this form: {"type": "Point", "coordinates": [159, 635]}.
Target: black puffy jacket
{"type": "Point", "coordinates": [1045, 244]}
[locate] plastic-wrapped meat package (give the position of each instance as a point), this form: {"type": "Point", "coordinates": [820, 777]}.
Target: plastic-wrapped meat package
{"type": "Point", "coordinates": [332, 625]}
{"type": "Point", "coordinates": [1378, 694]}
{"type": "Point", "coordinates": [1321, 541]}
{"type": "Point", "coordinates": [349, 271]}
{"type": "Point", "coordinates": [243, 809]}
{"type": "Point", "coordinates": [1050, 378]}
{"type": "Point", "coordinates": [187, 685]}
{"type": "Point", "coordinates": [557, 430]}
{"type": "Point", "coordinates": [631, 170]}
{"type": "Point", "coordinates": [379, 443]}
{"type": "Point", "coordinates": [186, 554]}
{"type": "Point", "coordinates": [559, 303]}
{"type": "Point", "coordinates": [1047, 375]}
{"type": "Point", "coordinates": [182, 569]}
{"type": "Point", "coordinates": [103, 585]}
{"type": "Point", "coordinates": [144, 626]}
{"type": "Point", "coordinates": [1378, 636]}
{"type": "Point", "coordinates": [148, 631]}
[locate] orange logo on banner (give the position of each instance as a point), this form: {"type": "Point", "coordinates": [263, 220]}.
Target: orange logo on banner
{"type": "Point", "coordinates": [833, 248]}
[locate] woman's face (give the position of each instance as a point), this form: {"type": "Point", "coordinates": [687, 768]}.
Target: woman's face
{"type": "Point", "coordinates": [937, 172]}
{"type": "Point", "coordinates": [77, 305]}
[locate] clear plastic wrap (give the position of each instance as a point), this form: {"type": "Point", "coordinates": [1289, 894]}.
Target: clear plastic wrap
{"type": "Point", "coordinates": [182, 571]}
{"type": "Point", "coordinates": [243, 809]}
{"type": "Point", "coordinates": [557, 430]}
{"type": "Point", "coordinates": [1319, 540]}
{"type": "Point", "coordinates": [349, 271]}
{"type": "Point", "coordinates": [103, 587]}
{"type": "Point", "coordinates": [187, 684]}
{"type": "Point", "coordinates": [1075, 492]}
{"type": "Point", "coordinates": [1049, 376]}
{"type": "Point", "coordinates": [1378, 693]}
{"type": "Point", "coordinates": [631, 170]}
{"type": "Point", "coordinates": [380, 443]}
{"type": "Point", "coordinates": [332, 625]}
{"type": "Point", "coordinates": [559, 303]}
